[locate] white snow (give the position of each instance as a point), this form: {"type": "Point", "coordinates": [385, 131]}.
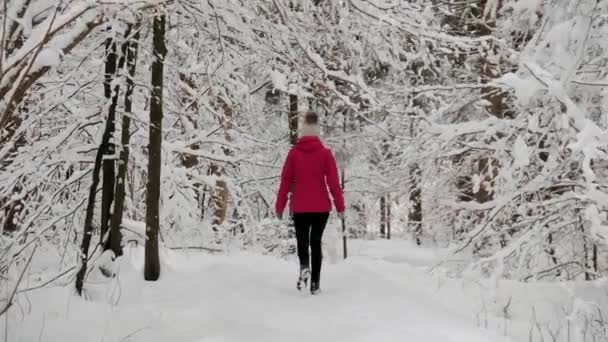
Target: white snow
{"type": "Point", "coordinates": [246, 297]}
{"type": "Point", "coordinates": [47, 58]}
{"type": "Point", "coordinates": [521, 153]}
{"type": "Point", "coordinates": [279, 80]}
{"type": "Point", "coordinates": [525, 89]}
{"type": "Point", "coordinates": [598, 230]}
{"type": "Point", "coordinates": [522, 255]}
{"type": "Point", "coordinates": [530, 8]}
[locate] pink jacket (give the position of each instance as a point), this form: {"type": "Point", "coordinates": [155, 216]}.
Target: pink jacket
{"type": "Point", "coordinates": [310, 168]}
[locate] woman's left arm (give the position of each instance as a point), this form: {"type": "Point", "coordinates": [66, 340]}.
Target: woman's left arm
{"type": "Point", "coordinates": [287, 175]}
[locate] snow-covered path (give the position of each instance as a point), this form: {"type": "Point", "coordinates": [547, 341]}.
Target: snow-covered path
{"type": "Point", "coordinates": [245, 297]}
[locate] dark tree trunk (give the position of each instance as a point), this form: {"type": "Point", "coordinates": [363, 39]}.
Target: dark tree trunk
{"type": "Point", "coordinates": [12, 213]}
{"type": "Point", "coordinates": [343, 220]}
{"type": "Point", "coordinates": [115, 240]}
{"type": "Point", "coordinates": [293, 119]}
{"type": "Point", "coordinates": [551, 251]}
{"type": "Point", "coordinates": [594, 258]}
{"type": "Point", "coordinates": [415, 213]}
{"type": "Point", "coordinates": [415, 198]}
{"type": "Point", "coordinates": [343, 186]}
{"type": "Point", "coordinates": [111, 95]}
{"type": "Point", "coordinates": [382, 216]}
{"type": "Point", "coordinates": [88, 221]}
{"type": "Point", "coordinates": [586, 259]}
{"type": "Point", "coordinates": [293, 134]}
{"type": "Point", "coordinates": [152, 260]}
{"type": "Point", "coordinates": [586, 256]}
{"type": "Point", "coordinates": [388, 217]}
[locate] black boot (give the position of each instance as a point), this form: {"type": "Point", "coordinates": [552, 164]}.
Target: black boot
{"type": "Point", "coordinates": [303, 278]}
{"type": "Point", "coordinates": [314, 288]}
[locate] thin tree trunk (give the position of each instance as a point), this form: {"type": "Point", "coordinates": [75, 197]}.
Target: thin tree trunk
{"type": "Point", "coordinates": [343, 221]}
{"type": "Point", "coordinates": [152, 260]}
{"type": "Point", "coordinates": [551, 251]}
{"type": "Point", "coordinates": [107, 193]}
{"type": "Point", "coordinates": [594, 258]}
{"type": "Point", "coordinates": [88, 221]}
{"type": "Point", "coordinates": [388, 217]}
{"type": "Point", "coordinates": [586, 257]}
{"type": "Point", "coordinates": [343, 185]}
{"type": "Point", "coordinates": [203, 199]}
{"type": "Point", "coordinates": [219, 196]}
{"type": "Point", "coordinates": [293, 119]}
{"type": "Point", "coordinates": [220, 191]}
{"type": "Point", "coordinates": [293, 134]}
{"type": "Point", "coordinates": [415, 213]}
{"type": "Point", "coordinates": [190, 105]}
{"type": "Point", "coordinates": [383, 217]}
{"type": "Point", "coordinates": [115, 241]}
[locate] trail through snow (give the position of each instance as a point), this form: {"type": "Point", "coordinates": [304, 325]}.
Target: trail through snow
{"type": "Point", "coordinates": [245, 297]}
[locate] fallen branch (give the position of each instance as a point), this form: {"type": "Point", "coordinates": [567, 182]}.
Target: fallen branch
{"type": "Point", "coordinates": [208, 249]}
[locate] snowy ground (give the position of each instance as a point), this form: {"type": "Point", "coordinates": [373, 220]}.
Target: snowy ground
{"type": "Point", "coordinates": [381, 293]}
{"type": "Point", "coordinates": [246, 298]}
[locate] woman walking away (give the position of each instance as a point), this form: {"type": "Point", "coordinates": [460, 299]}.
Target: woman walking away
{"type": "Point", "coordinates": [310, 168]}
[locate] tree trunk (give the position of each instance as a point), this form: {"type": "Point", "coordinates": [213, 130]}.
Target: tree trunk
{"type": "Point", "coordinates": [415, 198]}
{"type": "Point", "coordinates": [12, 212]}
{"type": "Point", "coordinates": [587, 257]}
{"type": "Point", "coordinates": [415, 212]}
{"type": "Point", "coordinates": [190, 106]}
{"type": "Point", "coordinates": [293, 119]}
{"type": "Point", "coordinates": [293, 136]}
{"type": "Point", "coordinates": [388, 217]}
{"type": "Point", "coordinates": [221, 194]}
{"type": "Point", "coordinates": [115, 240]}
{"type": "Point", "coordinates": [111, 95]}
{"type": "Point", "coordinates": [152, 260]}
{"type": "Point", "coordinates": [382, 216]}
{"type": "Point", "coordinates": [343, 186]}
{"type": "Point", "coordinates": [551, 251]}
{"type": "Point", "coordinates": [88, 221]}
{"type": "Point", "coordinates": [594, 258]}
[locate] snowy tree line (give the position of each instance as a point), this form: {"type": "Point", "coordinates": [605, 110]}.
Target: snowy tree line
{"type": "Point", "coordinates": [473, 124]}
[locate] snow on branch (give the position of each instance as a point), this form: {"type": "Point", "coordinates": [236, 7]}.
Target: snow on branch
{"type": "Point", "coordinates": [417, 32]}
{"type": "Point", "coordinates": [35, 58]}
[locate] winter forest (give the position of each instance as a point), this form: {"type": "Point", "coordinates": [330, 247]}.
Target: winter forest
{"type": "Point", "coordinates": [141, 145]}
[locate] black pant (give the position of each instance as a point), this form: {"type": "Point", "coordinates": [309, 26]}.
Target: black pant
{"type": "Point", "coordinates": [309, 231]}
